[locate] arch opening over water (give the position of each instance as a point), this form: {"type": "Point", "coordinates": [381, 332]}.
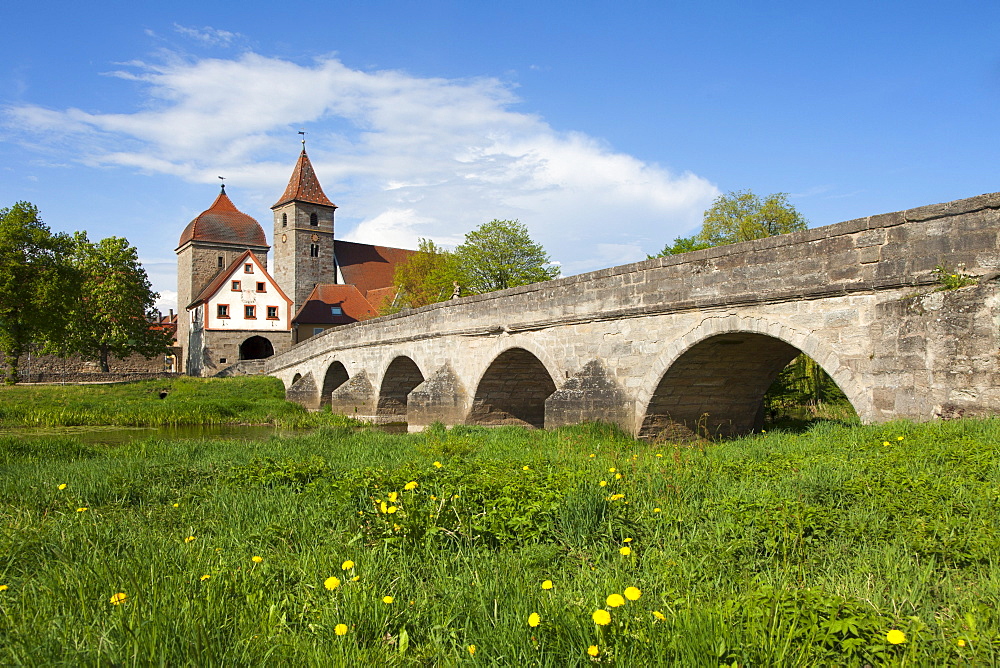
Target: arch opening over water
{"type": "Point", "coordinates": [399, 380]}
{"type": "Point", "coordinates": [256, 348]}
{"type": "Point", "coordinates": [717, 387]}
{"type": "Point", "coordinates": [512, 391]}
{"type": "Point", "coordinates": [335, 376]}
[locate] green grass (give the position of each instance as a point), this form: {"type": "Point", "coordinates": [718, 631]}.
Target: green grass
{"type": "Point", "coordinates": [189, 401]}
{"type": "Point", "coordinates": [776, 549]}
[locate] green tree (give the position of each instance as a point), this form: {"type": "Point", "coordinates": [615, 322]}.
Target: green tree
{"type": "Point", "coordinates": [682, 245]}
{"type": "Point", "coordinates": [741, 216]}
{"type": "Point", "coordinates": [501, 254]}
{"type": "Point", "coordinates": [427, 277]}
{"type": "Point", "coordinates": [116, 305]}
{"type": "Point", "coordinates": [37, 284]}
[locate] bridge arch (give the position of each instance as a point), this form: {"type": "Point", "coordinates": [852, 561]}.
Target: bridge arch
{"type": "Point", "coordinates": [334, 376]}
{"type": "Point", "coordinates": [512, 390]}
{"type": "Point", "coordinates": [400, 378]}
{"type": "Point", "coordinates": [256, 348]}
{"type": "Point", "coordinates": [713, 379]}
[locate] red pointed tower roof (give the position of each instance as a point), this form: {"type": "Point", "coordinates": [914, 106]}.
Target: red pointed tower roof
{"type": "Point", "coordinates": [224, 223]}
{"type": "Point", "coordinates": [304, 186]}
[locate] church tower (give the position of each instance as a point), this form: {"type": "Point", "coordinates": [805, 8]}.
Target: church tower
{"type": "Point", "coordinates": [303, 234]}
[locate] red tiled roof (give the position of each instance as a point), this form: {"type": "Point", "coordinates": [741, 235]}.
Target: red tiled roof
{"type": "Point", "coordinates": [369, 267]}
{"type": "Point", "coordinates": [316, 310]}
{"type": "Point", "coordinates": [304, 186]}
{"type": "Point", "coordinates": [380, 298]}
{"type": "Point", "coordinates": [224, 223]}
{"type": "Point", "coordinates": [224, 275]}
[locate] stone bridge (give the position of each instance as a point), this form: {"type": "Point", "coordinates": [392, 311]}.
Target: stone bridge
{"type": "Point", "coordinates": [693, 339]}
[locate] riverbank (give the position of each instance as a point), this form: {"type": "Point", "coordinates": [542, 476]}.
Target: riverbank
{"type": "Point", "coordinates": [183, 400]}
{"type": "Point", "coordinates": [835, 546]}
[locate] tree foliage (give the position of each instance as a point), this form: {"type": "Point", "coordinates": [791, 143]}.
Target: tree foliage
{"type": "Point", "coordinates": [427, 277]}
{"type": "Point", "coordinates": [67, 295]}
{"type": "Point", "coordinates": [37, 286]}
{"type": "Point", "coordinates": [501, 254]}
{"type": "Point", "coordinates": [741, 216]}
{"type": "Point", "coordinates": [116, 304]}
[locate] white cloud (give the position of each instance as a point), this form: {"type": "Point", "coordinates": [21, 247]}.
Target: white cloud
{"type": "Point", "coordinates": [403, 156]}
{"type": "Point", "coordinates": [208, 35]}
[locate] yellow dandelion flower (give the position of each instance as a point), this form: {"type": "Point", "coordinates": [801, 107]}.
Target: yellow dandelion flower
{"type": "Point", "coordinates": [387, 599]}
{"type": "Point", "coordinates": [659, 454]}
{"type": "Point", "coordinates": [659, 615]}
{"type": "Point", "coordinates": [189, 539]}
{"type": "Point", "coordinates": [340, 629]}
{"type": "Point", "coordinates": [177, 505]}
{"type": "Point", "coordinates": [632, 593]}
{"type": "Point", "coordinates": [410, 486]}
{"type": "Point", "coordinates": [627, 540]}
{"type": "Point", "coordinates": [396, 527]}
{"type": "Point", "coordinates": [331, 582]}
{"type": "Point", "coordinates": [618, 476]}
{"type": "Point", "coordinates": [593, 651]}
{"type": "Point", "coordinates": [472, 650]}
{"type": "Point", "coordinates": [119, 598]}
{"type": "Point", "coordinates": [62, 486]}
{"type": "Point", "coordinates": [547, 584]}
{"type": "Point", "coordinates": [885, 443]}
{"type": "Point", "coordinates": [525, 468]}
{"type": "Point", "coordinates": [82, 510]}
{"type": "Point", "coordinates": [256, 559]}
{"type": "Point", "coordinates": [438, 465]}
{"type": "Point", "coordinates": [612, 469]}
{"type": "Point", "coordinates": [4, 587]}
{"type": "Point", "coordinates": [896, 637]}
{"type": "Point", "coordinates": [656, 510]}
{"type": "Point", "coordinates": [347, 565]}
{"type": "Point", "coordinates": [355, 578]}
{"type": "Point", "coordinates": [454, 496]}
{"type": "Point", "coordinates": [592, 455]}
{"type": "Point", "coordinates": [601, 617]}
{"type": "Point", "coordinates": [534, 620]}
{"type": "Point", "coordinates": [391, 510]}
{"type": "Point", "coordinates": [899, 438]}
{"type": "Point", "coordinates": [382, 506]}
{"type": "Point", "coordinates": [603, 483]}
{"type": "Point", "coordinates": [393, 496]}
{"type": "Point", "coordinates": [625, 551]}
{"type": "Point", "coordinates": [615, 601]}
{"type": "Point", "coordinates": [204, 577]}
{"type": "Point", "coordinates": [961, 642]}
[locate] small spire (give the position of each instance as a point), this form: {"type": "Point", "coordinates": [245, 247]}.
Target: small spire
{"type": "Point", "coordinates": [223, 179]}
{"type": "Point", "coordinates": [303, 133]}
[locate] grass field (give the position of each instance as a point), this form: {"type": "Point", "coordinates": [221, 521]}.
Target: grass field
{"type": "Point", "coordinates": [503, 546]}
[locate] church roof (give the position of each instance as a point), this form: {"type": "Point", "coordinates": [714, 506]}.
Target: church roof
{"type": "Point", "coordinates": [224, 223]}
{"type": "Point", "coordinates": [368, 267]}
{"type": "Point", "coordinates": [316, 310]}
{"type": "Point", "coordinates": [303, 186]}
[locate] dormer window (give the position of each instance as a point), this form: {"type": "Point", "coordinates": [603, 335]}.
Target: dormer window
{"type": "Point", "coordinates": [336, 310]}
{"type": "Point", "coordinates": [313, 219]}
{"type": "Point", "coordinates": [284, 220]}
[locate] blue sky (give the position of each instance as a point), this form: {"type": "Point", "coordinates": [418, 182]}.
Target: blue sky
{"type": "Point", "coordinates": [606, 128]}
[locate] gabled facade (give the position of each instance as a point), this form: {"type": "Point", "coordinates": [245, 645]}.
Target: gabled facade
{"type": "Point", "coordinates": [242, 314]}
{"type": "Point", "coordinates": [330, 306]}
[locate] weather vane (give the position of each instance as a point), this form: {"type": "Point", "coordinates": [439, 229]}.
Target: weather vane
{"type": "Point", "coordinates": [223, 179]}
{"type": "Point", "coordinates": [303, 133]}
